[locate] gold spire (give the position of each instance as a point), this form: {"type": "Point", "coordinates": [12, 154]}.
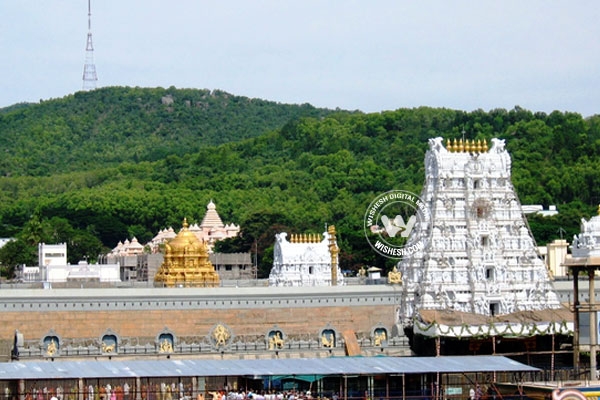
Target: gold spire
{"type": "Point", "coordinates": [461, 145]}
{"type": "Point", "coordinates": [466, 145]}
{"type": "Point", "coordinates": [305, 238]}
{"type": "Point", "coordinates": [333, 251]}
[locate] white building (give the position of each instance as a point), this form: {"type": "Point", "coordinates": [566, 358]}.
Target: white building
{"type": "Point", "coordinates": [539, 210]}
{"type": "Point", "coordinates": [83, 272]}
{"type": "Point", "coordinates": [587, 243]}
{"type": "Point", "coordinates": [478, 255]}
{"type": "Point", "coordinates": [554, 255]}
{"type": "Point", "coordinates": [306, 260]}
{"type": "Point", "coordinates": [162, 237]}
{"type": "Point", "coordinates": [52, 254]}
{"type": "Point", "coordinates": [54, 268]}
{"type": "Point", "coordinates": [127, 248]}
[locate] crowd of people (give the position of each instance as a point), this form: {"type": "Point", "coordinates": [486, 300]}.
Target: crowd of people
{"type": "Point", "coordinates": [164, 391]}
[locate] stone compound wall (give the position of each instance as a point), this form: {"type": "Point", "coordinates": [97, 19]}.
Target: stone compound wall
{"type": "Point", "coordinates": [139, 319]}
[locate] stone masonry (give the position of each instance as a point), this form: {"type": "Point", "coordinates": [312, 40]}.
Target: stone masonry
{"type": "Point", "coordinates": [79, 319]}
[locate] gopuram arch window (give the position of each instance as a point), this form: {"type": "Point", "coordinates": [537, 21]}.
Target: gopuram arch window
{"type": "Point", "coordinates": [494, 307]}
{"type": "Point", "coordinates": [485, 241]}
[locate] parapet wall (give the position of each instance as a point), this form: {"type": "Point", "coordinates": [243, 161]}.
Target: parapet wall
{"type": "Point", "coordinates": [138, 320]}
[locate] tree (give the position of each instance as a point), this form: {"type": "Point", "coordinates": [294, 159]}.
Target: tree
{"type": "Point", "coordinates": [14, 254]}
{"type": "Point", "coordinates": [84, 246]}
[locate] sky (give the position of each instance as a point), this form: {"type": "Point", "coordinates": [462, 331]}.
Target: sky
{"type": "Point", "coordinates": [368, 55]}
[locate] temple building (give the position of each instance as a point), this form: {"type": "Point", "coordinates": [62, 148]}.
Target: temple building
{"type": "Point", "coordinates": [478, 260]}
{"type": "Point", "coordinates": [161, 238]}
{"type": "Point", "coordinates": [587, 243]}
{"type": "Point", "coordinates": [127, 248]}
{"type": "Point", "coordinates": [585, 261]}
{"type": "Point", "coordinates": [186, 263]}
{"type": "Point", "coordinates": [555, 254]}
{"type": "Point", "coordinates": [210, 230]}
{"type": "Point", "coordinates": [53, 268]}
{"type": "Point", "coordinates": [306, 260]}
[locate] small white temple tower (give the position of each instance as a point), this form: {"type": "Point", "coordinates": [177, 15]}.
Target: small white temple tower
{"type": "Point", "coordinates": [306, 260]}
{"type": "Point", "coordinates": [587, 243]}
{"type": "Point", "coordinates": [586, 259]}
{"type": "Point", "coordinates": [479, 255]}
{"type": "Point", "coordinates": [212, 228]}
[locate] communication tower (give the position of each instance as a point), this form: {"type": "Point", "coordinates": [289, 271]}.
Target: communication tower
{"type": "Point", "coordinates": [89, 68]}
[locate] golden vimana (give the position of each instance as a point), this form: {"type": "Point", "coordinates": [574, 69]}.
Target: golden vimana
{"type": "Point", "coordinates": [186, 263]}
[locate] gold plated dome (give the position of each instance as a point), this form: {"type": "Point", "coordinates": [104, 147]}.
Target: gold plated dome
{"type": "Point", "coordinates": [186, 263]}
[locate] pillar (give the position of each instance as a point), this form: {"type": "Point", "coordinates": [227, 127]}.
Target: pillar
{"type": "Point", "coordinates": [21, 389]}
{"type": "Point", "coordinates": [576, 322]}
{"type": "Point", "coordinates": [593, 325]}
{"type": "Point", "coordinates": [138, 388]}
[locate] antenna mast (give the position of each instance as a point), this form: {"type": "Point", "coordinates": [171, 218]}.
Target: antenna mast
{"type": "Point", "coordinates": [89, 68]}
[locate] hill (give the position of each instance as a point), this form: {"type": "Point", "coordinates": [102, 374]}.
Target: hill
{"type": "Point", "coordinates": [109, 126]}
{"type": "Point", "coordinates": [311, 170]}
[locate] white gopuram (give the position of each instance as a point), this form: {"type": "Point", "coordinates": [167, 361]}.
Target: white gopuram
{"type": "Point", "coordinates": [306, 260]}
{"type": "Point", "coordinates": [479, 256]}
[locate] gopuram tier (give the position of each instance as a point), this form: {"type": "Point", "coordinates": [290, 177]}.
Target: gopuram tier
{"type": "Point", "coordinates": [478, 256]}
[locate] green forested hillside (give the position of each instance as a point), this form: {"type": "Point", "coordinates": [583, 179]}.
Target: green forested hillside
{"type": "Point", "coordinates": [108, 126]}
{"type": "Point", "coordinates": [316, 167]}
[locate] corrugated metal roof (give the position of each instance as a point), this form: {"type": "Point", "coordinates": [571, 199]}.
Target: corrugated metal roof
{"type": "Point", "coordinates": [263, 367]}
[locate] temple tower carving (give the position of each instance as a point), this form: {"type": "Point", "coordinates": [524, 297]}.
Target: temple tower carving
{"type": "Point", "coordinates": [479, 255]}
